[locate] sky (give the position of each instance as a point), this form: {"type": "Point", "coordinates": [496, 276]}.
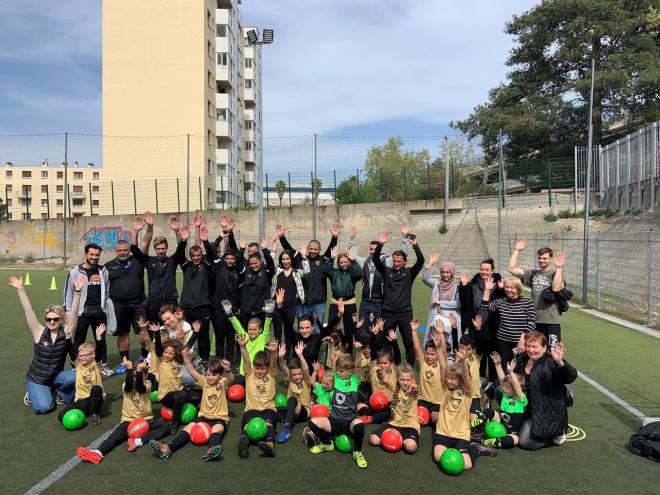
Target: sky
{"type": "Point", "coordinates": [336, 67]}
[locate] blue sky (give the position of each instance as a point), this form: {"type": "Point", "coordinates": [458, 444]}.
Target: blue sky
{"type": "Point", "coordinates": [340, 67]}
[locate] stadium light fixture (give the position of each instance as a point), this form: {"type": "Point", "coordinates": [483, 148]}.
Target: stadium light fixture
{"type": "Point", "coordinates": [252, 36]}
{"type": "Point", "coordinates": [266, 39]}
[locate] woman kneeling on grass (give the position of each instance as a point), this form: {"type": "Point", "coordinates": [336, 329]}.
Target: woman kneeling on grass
{"type": "Point", "coordinates": [51, 347]}
{"type": "Point", "coordinates": [547, 375]}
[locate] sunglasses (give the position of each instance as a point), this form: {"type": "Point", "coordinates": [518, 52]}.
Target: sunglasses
{"type": "Point", "coordinates": [56, 320]}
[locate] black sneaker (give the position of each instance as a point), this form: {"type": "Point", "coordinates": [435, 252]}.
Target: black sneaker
{"type": "Point", "coordinates": [244, 447]}
{"type": "Point", "coordinates": [95, 419]}
{"type": "Point", "coordinates": [213, 453]}
{"type": "Point", "coordinates": [266, 448]}
{"type": "Point", "coordinates": [486, 450]}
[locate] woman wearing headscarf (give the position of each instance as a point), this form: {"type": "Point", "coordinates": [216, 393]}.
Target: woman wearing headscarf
{"type": "Point", "coordinates": [444, 300]}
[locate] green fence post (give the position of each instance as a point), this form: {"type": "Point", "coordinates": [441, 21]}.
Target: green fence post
{"type": "Point", "coordinates": [405, 185]}
{"type": "Point", "coordinates": [549, 185]}
{"type": "Point", "coordinates": [267, 199]}
{"type": "Point", "coordinates": [289, 176]}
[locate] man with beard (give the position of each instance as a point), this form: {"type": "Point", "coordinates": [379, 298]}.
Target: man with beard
{"type": "Point", "coordinates": [93, 302]}
{"type": "Point", "coordinates": [126, 275]}
{"type": "Point", "coordinates": [161, 269]}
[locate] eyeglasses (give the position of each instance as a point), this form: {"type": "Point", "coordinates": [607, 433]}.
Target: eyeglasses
{"type": "Point", "coordinates": [55, 320]}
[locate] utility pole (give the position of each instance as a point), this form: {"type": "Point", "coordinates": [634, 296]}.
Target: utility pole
{"type": "Point", "coordinates": [587, 189]}
{"type": "Point", "coordinates": [446, 213]}
{"type": "Point", "coordinates": [500, 189]}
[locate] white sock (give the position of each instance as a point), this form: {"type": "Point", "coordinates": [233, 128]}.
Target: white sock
{"type": "Point", "coordinates": [138, 442]}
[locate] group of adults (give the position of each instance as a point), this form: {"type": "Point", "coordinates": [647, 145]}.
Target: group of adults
{"type": "Point", "coordinates": [487, 306]}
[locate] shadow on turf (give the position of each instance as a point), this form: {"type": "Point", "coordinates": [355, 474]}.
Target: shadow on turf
{"type": "Point", "coordinates": [622, 415]}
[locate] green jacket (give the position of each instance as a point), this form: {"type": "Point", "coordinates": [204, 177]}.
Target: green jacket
{"type": "Point", "coordinates": [252, 346]}
{"type": "Point", "coordinates": [342, 283]}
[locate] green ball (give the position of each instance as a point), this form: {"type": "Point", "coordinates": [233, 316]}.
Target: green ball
{"type": "Point", "coordinates": [73, 419]}
{"type": "Point", "coordinates": [154, 397]}
{"type": "Point", "coordinates": [280, 400]}
{"type": "Point", "coordinates": [188, 413]}
{"type": "Point", "coordinates": [256, 429]}
{"type": "Point", "coordinates": [495, 429]}
{"type": "Point", "coordinates": [344, 443]}
{"type": "Point", "coordinates": [452, 462]}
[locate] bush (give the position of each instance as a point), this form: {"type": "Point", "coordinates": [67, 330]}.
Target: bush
{"type": "Point", "coordinates": [566, 214]}
{"type": "Point", "coordinates": [605, 213]}
{"type": "Point", "coordinates": [550, 217]}
{"type": "Point", "coordinates": [443, 229]}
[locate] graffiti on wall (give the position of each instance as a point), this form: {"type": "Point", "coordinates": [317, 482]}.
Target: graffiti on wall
{"type": "Point", "coordinates": [106, 236]}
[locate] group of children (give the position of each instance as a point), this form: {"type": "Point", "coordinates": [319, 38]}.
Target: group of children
{"type": "Point", "coordinates": [448, 387]}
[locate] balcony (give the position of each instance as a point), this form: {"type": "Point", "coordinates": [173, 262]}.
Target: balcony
{"type": "Point", "coordinates": [221, 44]}
{"type": "Point", "coordinates": [78, 194]}
{"type": "Point", "coordinates": [221, 155]}
{"type": "Point", "coordinates": [222, 73]}
{"type": "Point", "coordinates": [247, 156]}
{"type": "Point", "coordinates": [221, 100]}
{"type": "Point", "coordinates": [222, 16]}
{"type": "Point", "coordinates": [221, 183]}
{"type": "Point", "coordinates": [248, 94]}
{"type": "Point", "coordinates": [249, 177]}
{"type": "Point", "coordinates": [248, 135]}
{"type": "Point", "coordinates": [222, 128]}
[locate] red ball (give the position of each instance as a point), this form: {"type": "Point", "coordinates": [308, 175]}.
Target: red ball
{"type": "Point", "coordinates": [319, 411]}
{"type": "Point", "coordinates": [391, 440]}
{"type": "Point", "coordinates": [378, 401]}
{"type": "Point", "coordinates": [319, 374]}
{"type": "Point", "coordinates": [236, 393]}
{"type": "Point", "coordinates": [200, 433]}
{"type": "Point", "coordinates": [423, 415]}
{"type": "Point", "coordinates": [137, 428]}
{"type": "Point", "coordinates": [166, 413]}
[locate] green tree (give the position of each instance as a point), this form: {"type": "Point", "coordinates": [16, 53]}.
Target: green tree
{"type": "Point", "coordinates": [3, 210]}
{"type": "Point", "coordinates": [280, 187]}
{"type": "Point", "coordinates": [545, 102]}
{"type": "Point", "coordinates": [353, 191]}
{"type": "Point", "coordinates": [317, 184]}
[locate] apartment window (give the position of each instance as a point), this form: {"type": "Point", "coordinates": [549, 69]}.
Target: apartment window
{"type": "Point", "coordinates": [220, 197]}
{"type": "Point", "coordinates": [9, 201]}
{"type": "Point", "coordinates": [95, 189]}
{"type": "Point", "coordinates": [44, 189]}
{"type": "Point", "coordinates": [209, 19]}
{"type": "Point", "coordinates": [44, 216]}
{"type": "Point", "coordinates": [77, 202]}
{"type": "Point", "coordinates": [26, 216]}
{"type": "Point", "coordinates": [248, 84]}
{"type": "Point", "coordinates": [59, 189]}
{"type": "Point", "coordinates": [221, 114]}
{"type": "Point", "coordinates": [44, 174]}
{"type": "Point", "coordinates": [248, 63]}
{"type": "Point", "coordinates": [221, 30]}
{"type": "Point", "coordinates": [9, 174]}
{"type": "Point", "coordinates": [209, 167]}
{"type": "Point", "coordinates": [249, 124]}
{"type": "Point", "coordinates": [77, 175]}
{"type": "Point", "coordinates": [8, 188]}
{"type": "Point", "coordinates": [210, 78]}
{"type": "Point", "coordinates": [209, 108]}
{"type": "Point", "coordinates": [26, 174]}
{"type": "Point", "coordinates": [77, 215]}
{"type": "Point", "coordinates": [44, 203]}
{"type": "Point", "coordinates": [96, 175]}
{"type": "Point", "coordinates": [60, 202]}
{"type": "Point", "coordinates": [77, 190]}
{"type": "Point", "coordinates": [209, 48]}
{"type": "Point", "coordinates": [210, 138]}
{"type": "Point", "coordinates": [221, 58]}
{"type": "Point", "coordinates": [60, 215]}
{"type": "Point", "coordinates": [220, 168]}
{"type": "Point", "coordinates": [249, 145]}
{"type": "Point", "coordinates": [60, 175]}
{"type": "Point", "coordinates": [95, 202]}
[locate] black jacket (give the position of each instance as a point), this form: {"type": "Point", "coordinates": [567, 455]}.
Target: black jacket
{"type": "Point", "coordinates": [226, 279]}
{"type": "Point", "coordinates": [126, 280]}
{"type": "Point", "coordinates": [546, 395]}
{"type": "Point", "coordinates": [314, 282]}
{"type": "Point", "coordinates": [160, 274]}
{"type": "Point", "coordinates": [196, 279]}
{"type": "Point", "coordinates": [397, 285]}
{"type": "Point", "coordinates": [255, 286]}
{"type": "Point", "coordinates": [49, 358]}
{"type": "Point", "coordinates": [470, 296]}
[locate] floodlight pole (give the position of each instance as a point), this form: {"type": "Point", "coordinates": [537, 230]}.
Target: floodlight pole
{"type": "Point", "coordinates": [587, 187]}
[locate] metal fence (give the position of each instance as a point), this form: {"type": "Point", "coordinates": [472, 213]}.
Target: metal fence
{"type": "Point", "coordinates": [625, 172]}
{"type": "Point", "coordinates": [624, 274]}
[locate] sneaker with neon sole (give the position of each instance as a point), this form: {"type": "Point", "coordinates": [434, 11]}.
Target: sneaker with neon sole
{"type": "Point", "coordinates": [359, 459]}
{"type": "Point", "coordinates": [322, 447]}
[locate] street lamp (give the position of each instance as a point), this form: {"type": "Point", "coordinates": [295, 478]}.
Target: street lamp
{"type": "Point", "coordinates": [266, 39]}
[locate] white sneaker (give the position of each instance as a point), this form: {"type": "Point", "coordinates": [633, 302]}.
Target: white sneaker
{"type": "Point", "coordinates": [106, 370]}
{"type": "Point", "coordinates": [558, 440]}
{"type": "Point", "coordinates": [26, 400]}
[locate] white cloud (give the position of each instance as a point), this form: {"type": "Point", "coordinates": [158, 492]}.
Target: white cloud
{"type": "Point", "coordinates": [346, 62]}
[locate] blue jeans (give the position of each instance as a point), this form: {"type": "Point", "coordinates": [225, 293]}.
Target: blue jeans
{"type": "Point", "coordinates": [312, 309]}
{"type": "Point", "coordinates": [41, 397]}
{"type": "Point", "coordinates": [369, 307]}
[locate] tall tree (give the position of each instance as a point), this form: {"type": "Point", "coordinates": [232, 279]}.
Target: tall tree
{"type": "Point", "coordinates": [544, 104]}
{"type": "Point", "coordinates": [280, 187]}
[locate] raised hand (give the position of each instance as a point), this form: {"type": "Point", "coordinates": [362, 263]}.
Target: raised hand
{"type": "Point", "coordinates": [413, 389]}
{"type": "Point", "coordinates": [241, 339]}
{"type": "Point", "coordinates": [142, 323]}
{"type": "Point", "coordinates": [359, 323]}
{"type": "Point", "coordinates": [263, 244]}
{"type": "Point", "coordinates": [127, 363]}
{"type": "Point", "coordinates": [141, 366]}
{"type": "Point", "coordinates": [351, 255]}
{"type": "Point", "coordinates": [196, 326]}
{"type": "Point", "coordinates": [300, 346]}
{"type": "Point", "coordinates": [495, 356]}
{"type": "Point", "coordinates": [100, 330]}
{"type": "Point", "coordinates": [340, 306]}
{"type": "Point", "coordinates": [453, 319]}
{"type": "Point", "coordinates": [274, 242]}
{"type": "Point", "coordinates": [316, 366]}
{"type": "Point", "coordinates": [149, 218]}
{"type": "Point", "coordinates": [353, 232]}
{"type": "Point", "coordinates": [16, 283]}
{"type": "Point", "coordinates": [242, 244]}
{"type": "Point", "coordinates": [405, 229]}
{"type": "Point", "coordinates": [231, 223]}
{"type": "Point", "coordinates": [477, 321]}
{"type": "Point", "coordinates": [433, 260]}
{"type": "Point", "coordinates": [226, 365]}
{"type": "Point", "coordinates": [500, 283]}
{"type": "Point", "coordinates": [414, 324]}
{"type": "Point", "coordinates": [460, 353]}
{"type": "Point", "coordinates": [303, 250]}
{"type": "Point", "coordinates": [510, 365]}
{"type": "Point", "coordinates": [335, 230]}
{"type": "Point", "coordinates": [357, 344]}
{"type": "Point", "coordinates": [521, 242]}
{"type": "Point", "coordinates": [378, 326]}
{"type": "Point", "coordinates": [185, 233]}
{"type": "Point", "coordinates": [334, 252]}
{"type": "Point", "coordinates": [185, 352]}
{"type": "Point", "coordinates": [391, 335]}
{"type": "Point", "coordinates": [384, 237]}
{"type": "Point", "coordinates": [279, 230]}
{"type": "Point", "coordinates": [282, 350]}
{"type": "Point", "coordinates": [154, 327]}
{"type": "Point", "coordinates": [174, 223]}
{"type": "Point", "coordinates": [557, 353]}
{"type": "Point", "coordinates": [204, 233]}
{"type": "Point", "coordinates": [272, 345]}
{"type": "Point", "coordinates": [222, 222]}
{"type": "Point", "coordinates": [198, 221]}
{"type": "Point", "coordinates": [279, 297]}
{"type": "Point", "coordinates": [465, 278]}
{"type": "Point", "coordinates": [137, 223]}
{"type": "Point", "coordinates": [79, 283]}
{"type": "Point", "coordinates": [489, 284]}
{"type": "Point", "coordinates": [560, 260]}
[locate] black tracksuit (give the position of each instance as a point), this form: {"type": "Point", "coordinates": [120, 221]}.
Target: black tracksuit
{"type": "Point", "coordinates": [162, 282]}
{"type": "Point", "coordinates": [127, 292]}
{"type": "Point", "coordinates": [255, 289]}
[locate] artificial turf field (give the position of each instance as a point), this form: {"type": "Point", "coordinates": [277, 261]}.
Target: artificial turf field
{"type": "Point", "coordinates": [622, 360]}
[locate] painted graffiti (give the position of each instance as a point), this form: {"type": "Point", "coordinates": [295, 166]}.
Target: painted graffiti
{"type": "Point", "coordinates": [106, 236]}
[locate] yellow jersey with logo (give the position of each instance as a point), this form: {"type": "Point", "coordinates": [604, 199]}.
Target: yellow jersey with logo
{"type": "Point", "coordinates": [302, 392]}
{"type": "Point", "coordinates": [389, 380]}
{"type": "Point", "coordinates": [137, 405]}
{"type": "Point", "coordinates": [260, 392]}
{"type": "Point", "coordinates": [404, 411]}
{"type": "Point", "coordinates": [431, 387]}
{"type": "Point", "coordinates": [214, 399]}
{"type": "Point", "coordinates": [86, 377]}
{"type": "Point", "coordinates": [170, 378]}
{"type": "Point", "coordinates": [454, 417]}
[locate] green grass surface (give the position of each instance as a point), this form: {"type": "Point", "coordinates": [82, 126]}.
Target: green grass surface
{"type": "Point", "coordinates": [622, 360]}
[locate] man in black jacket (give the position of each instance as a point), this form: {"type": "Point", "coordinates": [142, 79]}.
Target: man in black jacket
{"type": "Point", "coordinates": [315, 281]}
{"type": "Point", "coordinates": [161, 269]}
{"type": "Point", "coordinates": [126, 275]}
{"type": "Point", "coordinates": [255, 283]}
{"type": "Point", "coordinates": [397, 291]}
{"type": "Point", "coordinates": [196, 291]}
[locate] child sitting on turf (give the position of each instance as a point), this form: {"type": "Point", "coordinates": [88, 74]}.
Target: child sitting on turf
{"type": "Point", "coordinates": [404, 410]}
{"type": "Point", "coordinates": [512, 400]}
{"type": "Point", "coordinates": [431, 385]}
{"type": "Point", "coordinates": [89, 386]}
{"type": "Point", "coordinates": [299, 393]}
{"type": "Point", "coordinates": [213, 409]}
{"type": "Point", "coordinates": [466, 342]}
{"type": "Point", "coordinates": [256, 338]}
{"type": "Point", "coordinates": [343, 416]}
{"type": "Point", "coordinates": [136, 405]}
{"type": "Point", "coordinates": [383, 379]}
{"type": "Point", "coordinates": [323, 389]}
{"type": "Point", "coordinates": [260, 386]}
{"type": "Point", "coordinates": [452, 430]}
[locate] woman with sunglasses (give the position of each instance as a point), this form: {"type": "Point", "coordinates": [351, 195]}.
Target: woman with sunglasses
{"type": "Point", "coordinates": [51, 347]}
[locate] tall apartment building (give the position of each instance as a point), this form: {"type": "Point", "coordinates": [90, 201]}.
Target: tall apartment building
{"type": "Point", "coordinates": [181, 104]}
